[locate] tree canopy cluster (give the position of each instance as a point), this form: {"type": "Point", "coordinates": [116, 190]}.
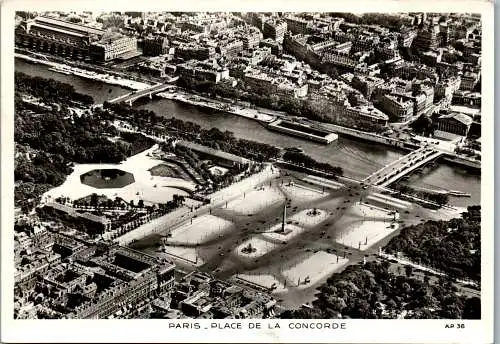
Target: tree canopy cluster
{"type": "Point", "coordinates": [178, 129]}
{"type": "Point", "coordinates": [372, 291]}
{"type": "Point", "coordinates": [80, 140]}
{"type": "Point", "coordinates": [423, 125]}
{"type": "Point", "coordinates": [382, 19]}
{"type": "Point", "coordinates": [453, 247]}
{"type": "Point", "coordinates": [304, 160]}
{"type": "Point", "coordinates": [50, 90]}
{"type": "Point", "coordinates": [438, 198]}
{"type": "Point", "coordinates": [48, 141]}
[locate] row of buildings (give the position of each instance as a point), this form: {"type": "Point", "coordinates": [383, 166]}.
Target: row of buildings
{"type": "Point", "coordinates": [66, 277]}
{"type": "Point", "coordinates": [294, 57]}
{"type": "Point", "coordinates": [199, 295]}
{"type": "Point", "coordinates": [61, 276]}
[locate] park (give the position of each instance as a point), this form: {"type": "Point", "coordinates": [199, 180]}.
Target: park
{"type": "Point", "coordinates": [131, 180]}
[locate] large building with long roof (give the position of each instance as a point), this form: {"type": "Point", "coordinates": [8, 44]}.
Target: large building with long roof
{"type": "Point", "coordinates": [57, 36]}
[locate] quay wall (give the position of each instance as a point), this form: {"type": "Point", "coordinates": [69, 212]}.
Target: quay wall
{"type": "Point", "coordinates": [367, 136]}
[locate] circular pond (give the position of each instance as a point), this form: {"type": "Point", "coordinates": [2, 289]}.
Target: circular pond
{"type": "Point", "coordinates": [109, 178]}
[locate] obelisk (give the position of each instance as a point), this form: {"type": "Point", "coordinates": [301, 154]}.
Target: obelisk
{"type": "Point", "coordinates": [283, 221]}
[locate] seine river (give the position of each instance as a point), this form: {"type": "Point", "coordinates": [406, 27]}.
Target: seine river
{"type": "Point", "coordinates": [357, 158]}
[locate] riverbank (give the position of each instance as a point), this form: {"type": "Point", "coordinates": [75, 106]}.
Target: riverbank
{"type": "Point", "coordinates": [105, 78]}
{"type": "Point", "coordinates": [200, 101]}
{"type": "Point", "coordinates": [404, 145]}
{"type": "Point", "coordinates": [213, 104]}
{"type": "Point", "coordinates": [266, 118]}
{"type": "Point", "coordinates": [263, 116]}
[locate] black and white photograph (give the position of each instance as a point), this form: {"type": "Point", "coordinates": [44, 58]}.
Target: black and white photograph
{"type": "Point", "coordinates": [208, 167]}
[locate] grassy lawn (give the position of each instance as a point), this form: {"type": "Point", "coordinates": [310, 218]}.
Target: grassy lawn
{"type": "Point", "coordinates": [164, 170]}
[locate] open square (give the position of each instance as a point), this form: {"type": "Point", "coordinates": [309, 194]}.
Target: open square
{"type": "Point", "coordinates": [364, 225]}
{"type": "Point", "coordinates": [311, 268]}
{"type": "Point", "coordinates": [255, 200]}
{"type": "Point", "coordinates": [201, 230]}
{"type": "Point", "coordinates": [301, 193]}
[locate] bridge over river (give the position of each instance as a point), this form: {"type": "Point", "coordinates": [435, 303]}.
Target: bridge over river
{"type": "Point", "coordinates": [404, 165]}
{"type": "Point", "coordinates": [131, 97]}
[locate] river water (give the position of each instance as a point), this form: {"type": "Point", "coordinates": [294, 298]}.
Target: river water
{"type": "Point", "coordinates": [358, 158]}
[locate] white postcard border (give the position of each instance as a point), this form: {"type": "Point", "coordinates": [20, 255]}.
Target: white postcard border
{"type": "Point", "coordinates": [388, 331]}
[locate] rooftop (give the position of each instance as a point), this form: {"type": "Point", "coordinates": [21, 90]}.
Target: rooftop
{"type": "Point", "coordinates": [72, 26]}
{"type": "Point", "coordinates": [461, 117]}
{"type": "Point", "coordinates": [368, 110]}
{"type": "Point", "coordinates": [61, 30]}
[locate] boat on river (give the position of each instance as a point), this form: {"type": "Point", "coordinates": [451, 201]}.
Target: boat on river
{"type": "Point", "coordinates": [303, 131]}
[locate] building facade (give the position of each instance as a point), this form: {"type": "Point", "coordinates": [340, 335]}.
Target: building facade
{"type": "Point", "coordinates": [154, 46]}
{"type": "Point", "coordinates": [111, 48]}
{"type": "Point", "coordinates": [469, 81]}
{"type": "Point", "coordinates": [57, 36]}
{"type": "Point", "coordinates": [454, 123]}
{"type": "Point", "coordinates": [398, 108]}
{"type": "Point", "coordinates": [297, 25]}
{"type": "Point", "coordinates": [427, 39]}
{"type": "Point", "coordinates": [194, 52]}
{"type": "Point", "coordinates": [275, 29]}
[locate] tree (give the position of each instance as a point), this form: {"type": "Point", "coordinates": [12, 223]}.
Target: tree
{"type": "Point", "coordinates": [138, 28]}
{"type": "Point", "coordinates": [361, 310]}
{"type": "Point", "coordinates": [94, 199]}
{"type": "Point", "coordinates": [423, 125]}
{"type": "Point", "coordinates": [180, 199]}
{"type": "Point", "coordinates": [456, 253]}
{"type": "Point", "coordinates": [472, 308]}
{"type": "Point", "coordinates": [408, 270]}
{"type": "Point", "coordinates": [391, 304]}
{"type": "Point", "coordinates": [113, 22]}
{"type": "Point", "coordinates": [451, 311]}
{"type": "Point", "coordinates": [74, 19]}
